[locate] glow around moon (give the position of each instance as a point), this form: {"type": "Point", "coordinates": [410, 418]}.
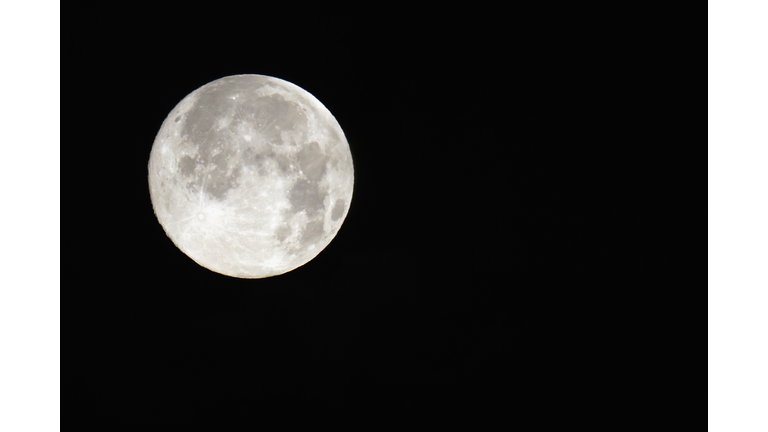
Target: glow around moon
{"type": "Point", "coordinates": [250, 176]}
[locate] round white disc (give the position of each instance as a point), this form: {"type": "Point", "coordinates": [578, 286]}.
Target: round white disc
{"type": "Point", "coordinates": [250, 176]}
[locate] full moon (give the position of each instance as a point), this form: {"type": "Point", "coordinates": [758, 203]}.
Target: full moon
{"type": "Point", "coordinates": [250, 176]}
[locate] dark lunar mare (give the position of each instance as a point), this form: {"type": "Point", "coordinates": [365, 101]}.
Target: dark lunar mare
{"type": "Point", "coordinates": [236, 98]}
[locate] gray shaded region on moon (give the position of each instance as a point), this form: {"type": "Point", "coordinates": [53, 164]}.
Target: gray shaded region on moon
{"type": "Point", "coordinates": [270, 115]}
{"type": "Point", "coordinates": [264, 166]}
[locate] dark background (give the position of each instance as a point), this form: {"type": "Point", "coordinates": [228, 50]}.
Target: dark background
{"type": "Point", "coordinates": [486, 235]}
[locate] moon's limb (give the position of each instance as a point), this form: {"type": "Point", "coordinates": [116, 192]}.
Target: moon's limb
{"type": "Point", "coordinates": [251, 176]}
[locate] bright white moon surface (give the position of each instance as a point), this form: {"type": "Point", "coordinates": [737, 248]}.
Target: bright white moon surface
{"type": "Point", "coordinates": [250, 176]}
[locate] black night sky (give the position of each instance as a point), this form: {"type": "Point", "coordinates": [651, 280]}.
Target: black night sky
{"type": "Point", "coordinates": [484, 234]}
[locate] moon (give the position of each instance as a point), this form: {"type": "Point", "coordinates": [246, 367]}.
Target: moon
{"type": "Point", "coordinates": [250, 176]}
